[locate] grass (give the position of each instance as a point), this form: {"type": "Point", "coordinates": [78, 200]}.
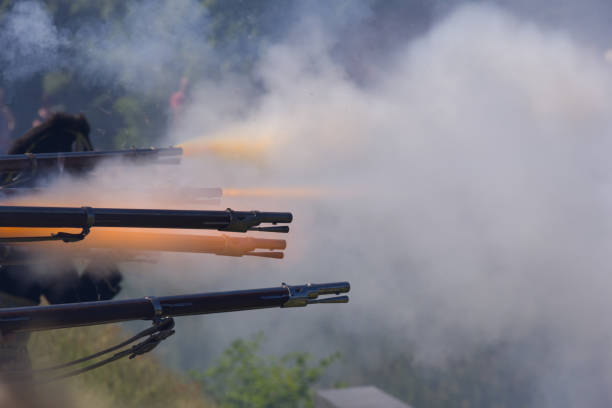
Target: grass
{"type": "Point", "coordinates": [143, 381]}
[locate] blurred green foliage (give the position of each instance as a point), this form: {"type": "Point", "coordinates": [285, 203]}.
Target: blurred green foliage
{"type": "Point", "coordinates": [54, 82]}
{"type": "Point", "coordinates": [141, 382]}
{"type": "Point", "coordinates": [138, 125]}
{"type": "Point", "coordinates": [65, 9]}
{"type": "Point", "coordinates": [122, 117]}
{"type": "Point", "coordinates": [243, 378]}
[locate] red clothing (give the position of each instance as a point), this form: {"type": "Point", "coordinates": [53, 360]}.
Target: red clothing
{"type": "Point", "coordinates": [177, 100]}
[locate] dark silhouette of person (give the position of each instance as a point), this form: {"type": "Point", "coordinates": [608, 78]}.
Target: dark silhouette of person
{"type": "Point", "coordinates": [23, 280]}
{"type": "Point", "coordinates": [62, 132]}
{"type": "Point", "coordinates": [43, 113]}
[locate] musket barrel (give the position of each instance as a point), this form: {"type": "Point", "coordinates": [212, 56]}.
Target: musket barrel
{"type": "Point", "coordinates": [260, 243]}
{"type": "Point", "coordinates": [18, 162]}
{"type": "Point", "coordinates": [275, 217]}
{"type": "Point", "coordinates": [331, 288]}
{"type": "Point", "coordinates": [183, 219]}
{"type": "Point", "coordinates": [190, 193]}
{"type": "Point", "coordinates": [75, 217]}
{"type": "Point", "coordinates": [121, 240]}
{"type": "Point", "coordinates": [35, 318]}
{"type": "Point", "coordinates": [223, 301]}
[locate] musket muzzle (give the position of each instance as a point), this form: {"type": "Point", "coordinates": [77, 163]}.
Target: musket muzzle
{"type": "Point", "coordinates": [330, 288]}
{"type": "Point", "coordinates": [261, 243]}
{"type": "Point", "coordinates": [274, 217]}
{"type": "Point", "coordinates": [308, 294]}
{"type": "Point", "coordinates": [335, 299]}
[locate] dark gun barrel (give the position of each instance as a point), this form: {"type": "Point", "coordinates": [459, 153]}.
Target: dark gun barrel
{"type": "Point", "coordinates": [87, 217]}
{"type": "Point", "coordinates": [185, 193]}
{"type": "Point", "coordinates": [35, 318]}
{"type": "Point", "coordinates": [78, 160]}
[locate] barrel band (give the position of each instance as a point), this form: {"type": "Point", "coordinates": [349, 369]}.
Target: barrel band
{"type": "Point", "coordinates": [90, 218]}
{"type": "Point", "coordinates": [157, 307]}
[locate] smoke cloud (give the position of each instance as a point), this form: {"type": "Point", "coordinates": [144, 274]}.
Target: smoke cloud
{"type": "Point", "coordinates": [144, 52]}
{"type": "Point", "coordinates": [469, 187]}
{"type": "Point", "coordinates": [476, 159]}
{"type": "Point", "coordinates": [148, 52]}
{"type": "Point", "coordinates": [30, 41]}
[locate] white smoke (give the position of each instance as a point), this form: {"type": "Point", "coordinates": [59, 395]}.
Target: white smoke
{"type": "Point", "coordinates": [30, 41]}
{"type": "Point", "coordinates": [143, 52]}
{"type": "Point", "coordinates": [148, 52]}
{"type": "Point", "coordinates": [478, 163]}
{"type": "Point", "coordinates": [471, 194]}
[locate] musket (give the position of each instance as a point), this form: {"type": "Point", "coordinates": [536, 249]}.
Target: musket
{"type": "Point", "coordinates": [219, 245]}
{"type": "Point", "coordinates": [86, 218]}
{"type": "Point", "coordinates": [49, 317]}
{"type": "Point", "coordinates": [125, 243]}
{"type": "Point", "coordinates": [188, 193]}
{"type": "Point", "coordinates": [86, 159]}
{"type": "Point", "coordinates": [163, 193]}
{"type": "Point", "coordinates": [160, 310]}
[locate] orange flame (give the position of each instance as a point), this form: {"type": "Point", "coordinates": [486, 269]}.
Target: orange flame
{"type": "Point", "coordinates": [274, 192]}
{"type": "Point", "coordinates": [234, 148]}
{"type": "Point", "coordinates": [141, 240]}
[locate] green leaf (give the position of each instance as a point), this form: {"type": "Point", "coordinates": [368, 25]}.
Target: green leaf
{"type": "Point", "coordinates": [241, 377]}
